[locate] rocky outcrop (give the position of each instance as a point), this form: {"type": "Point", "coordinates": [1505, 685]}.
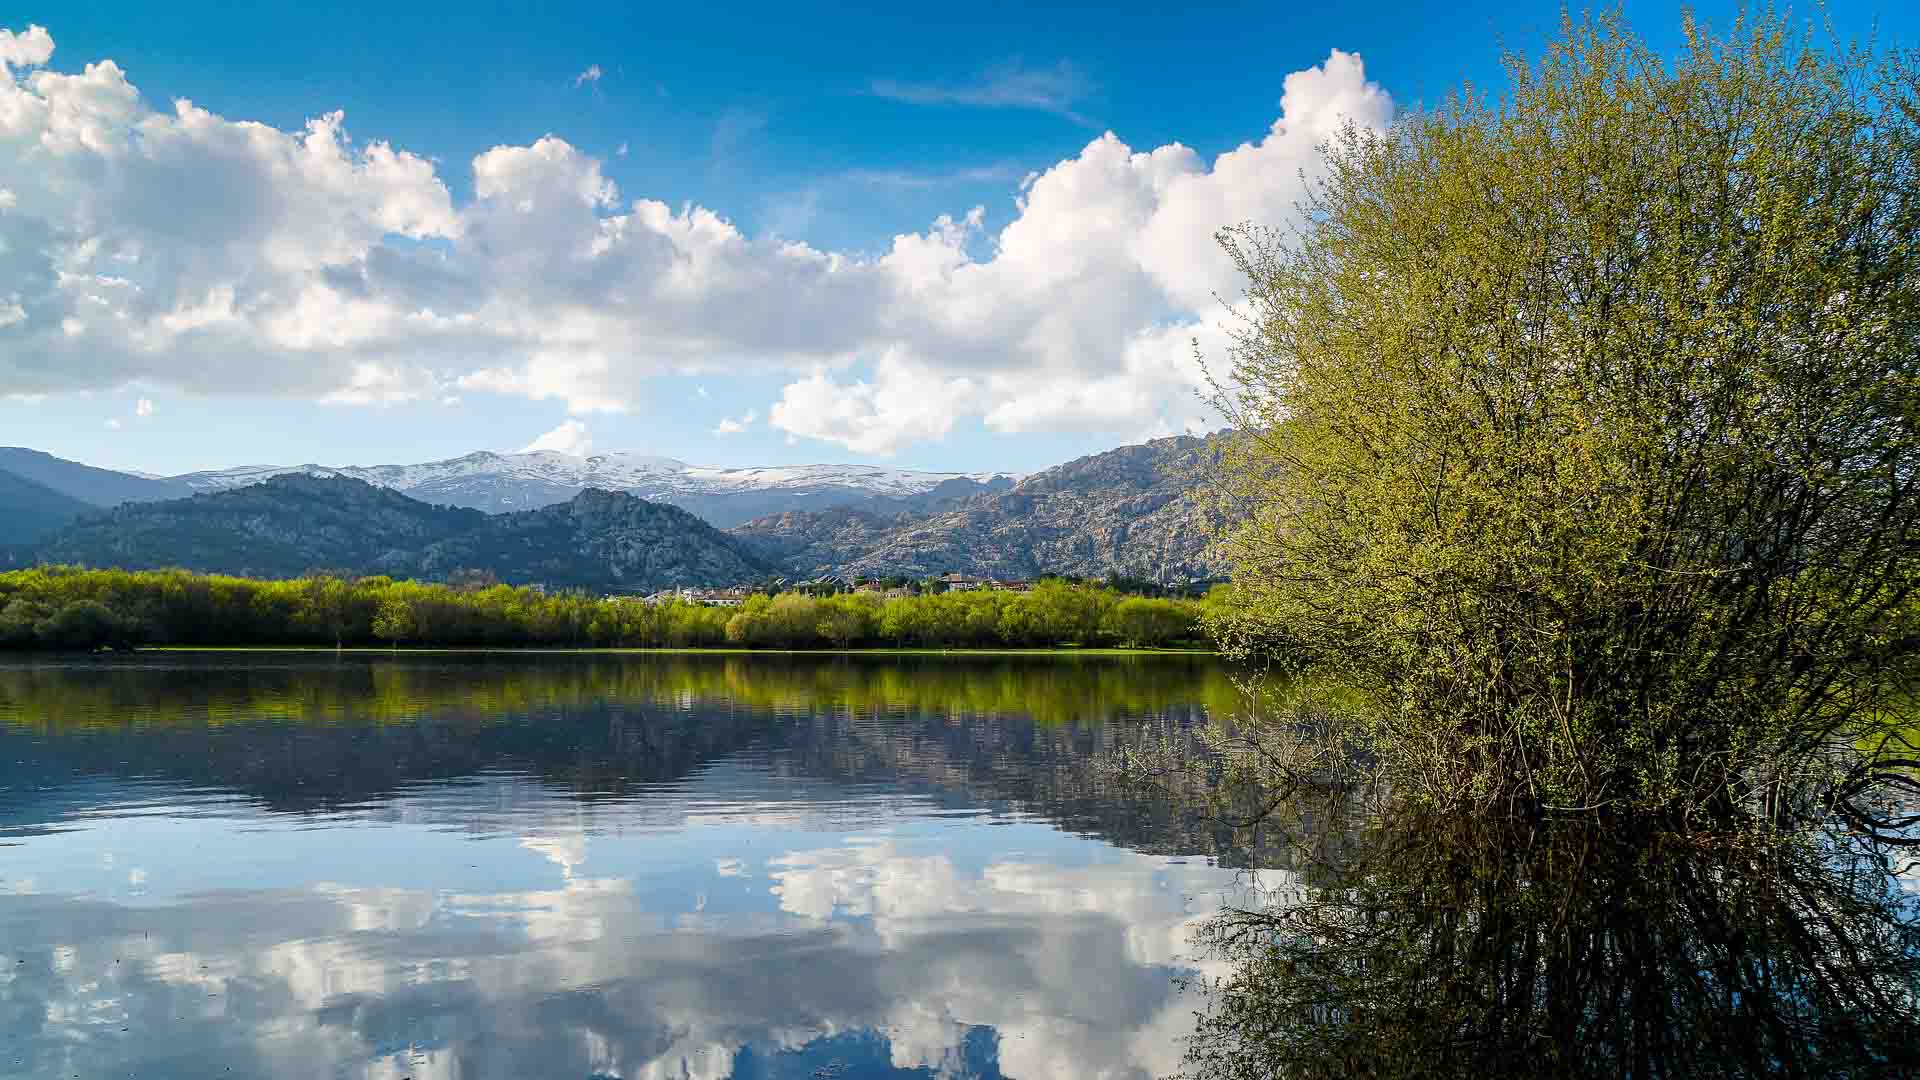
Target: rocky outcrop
{"type": "Point", "coordinates": [1138, 511]}
{"type": "Point", "coordinates": [604, 541]}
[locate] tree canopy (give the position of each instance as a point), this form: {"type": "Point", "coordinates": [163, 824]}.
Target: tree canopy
{"type": "Point", "coordinates": [1579, 425]}
{"type": "Point", "coordinates": [72, 608]}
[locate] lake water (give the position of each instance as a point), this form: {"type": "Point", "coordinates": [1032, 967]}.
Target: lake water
{"type": "Point", "coordinates": [304, 865]}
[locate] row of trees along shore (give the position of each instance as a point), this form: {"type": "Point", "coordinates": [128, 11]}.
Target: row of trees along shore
{"type": "Point", "coordinates": [69, 608]}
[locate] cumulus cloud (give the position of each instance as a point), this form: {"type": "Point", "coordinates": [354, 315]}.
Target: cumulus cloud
{"type": "Point", "coordinates": [143, 407]}
{"type": "Point", "coordinates": [571, 438]}
{"type": "Point", "coordinates": [28, 48]}
{"type": "Point", "coordinates": [903, 404]}
{"type": "Point", "coordinates": [179, 248]}
{"type": "Point", "coordinates": [729, 426]}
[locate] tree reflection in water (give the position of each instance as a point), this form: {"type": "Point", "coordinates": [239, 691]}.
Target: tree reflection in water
{"type": "Point", "coordinates": [1452, 947]}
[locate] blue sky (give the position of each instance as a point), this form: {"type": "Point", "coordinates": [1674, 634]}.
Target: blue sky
{"type": "Point", "coordinates": [270, 304]}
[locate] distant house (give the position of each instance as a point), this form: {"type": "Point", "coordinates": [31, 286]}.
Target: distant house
{"type": "Point", "coordinates": [732, 596]}
{"type": "Point", "coordinates": [870, 585]}
{"type": "Point", "coordinates": [962, 582]}
{"type": "Point", "coordinates": [1011, 586]}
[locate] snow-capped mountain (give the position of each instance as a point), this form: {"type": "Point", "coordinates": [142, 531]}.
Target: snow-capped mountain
{"type": "Point", "coordinates": [725, 497]}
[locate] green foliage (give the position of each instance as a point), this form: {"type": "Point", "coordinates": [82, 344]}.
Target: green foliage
{"type": "Point", "coordinates": [1140, 621]}
{"type": "Point", "coordinates": [1580, 426]}
{"type": "Point", "coordinates": [63, 607]}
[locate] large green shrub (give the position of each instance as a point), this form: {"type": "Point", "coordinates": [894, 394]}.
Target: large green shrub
{"type": "Point", "coordinates": [1580, 425]}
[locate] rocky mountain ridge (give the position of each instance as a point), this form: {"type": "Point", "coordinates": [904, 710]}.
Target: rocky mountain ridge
{"type": "Point", "coordinates": [283, 527]}
{"type": "Point", "coordinates": [293, 524]}
{"type": "Point", "coordinates": [601, 541]}
{"type": "Point", "coordinates": [90, 485]}
{"type": "Point", "coordinates": [498, 483]}
{"type": "Point", "coordinates": [1137, 511]}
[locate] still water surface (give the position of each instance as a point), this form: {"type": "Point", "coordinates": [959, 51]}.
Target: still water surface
{"type": "Point", "coordinates": [457, 866]}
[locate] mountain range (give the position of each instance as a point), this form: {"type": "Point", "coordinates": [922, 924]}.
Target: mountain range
{"type": "Point", "coordinates": [725, 497]}
{"type": "Point", "coordinates": [610, 522]}
{"type": "Point", "coordinates": [92, 486]}
{"type": "Point", "coordinates": [29, 510]}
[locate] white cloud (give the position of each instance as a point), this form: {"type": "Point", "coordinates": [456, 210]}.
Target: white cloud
{"type": "Point", "coordinates": [1011, 85]}
{"type": "Point", "coordinates": [622, 151]}
{"type": "Point", "coordinates": [701, 393]}
{"type": "Point", "coordinates": [29, 48]}
{"type": "Point", "coordinates": [1071, 966]}
{"type": "Point", "coordinates": [729, 426]}
{"type": "Point", "coordinates": [375, 383]}
{"type": "Point", "coordinates": [591, 75]}
{"type": "Point", "coordinates": [571, 438]}
{"type": "Point", "coordinates": [178, 248]}
{"type": "Point", "coordinates": [1255, 181]}
{"type": "Point", "coordinates": [143, 407]}
{"type": "Point", "coordinates": [113, 425]}
{"type": "Point", "coordinates": [905, 403]}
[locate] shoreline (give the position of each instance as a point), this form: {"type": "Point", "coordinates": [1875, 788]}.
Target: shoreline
{"type": "Point", "coordinates": [617, 650]}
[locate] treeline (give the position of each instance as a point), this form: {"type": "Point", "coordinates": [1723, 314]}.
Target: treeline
{"type": "Point", "coordinates": [70, 608]}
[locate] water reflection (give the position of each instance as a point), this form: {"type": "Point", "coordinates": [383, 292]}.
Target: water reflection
{"type": "Point", "coordinates": [1602, 948]}
{"type": "Point", "coordinates": [158, 689]}
{"type": "Point", "coordinates": [375, 867]}
{"type": "Point", "coordinates": [745, 867]}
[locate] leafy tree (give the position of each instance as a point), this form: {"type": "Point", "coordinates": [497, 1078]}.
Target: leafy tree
{"type": "Point", "coordinates": [1139, 621]}
{"type": "Point", "coordinates": [1580, 426]}
{"type": "Point", "coordinates": [1020, 623]}
{"type": "Point", "coordinates": [1067, 612]}
{"type": "Point", "coordinates": [842, 624]}
{"type": "Point", "coordinates": [327, 604]}
{"type": "Point", "coordinates": [19, 619]}
{"type": "Point", "coordinates": [900, 621]}
{"type": "Point", "coordinates": [84, 624]}
{"type": "Point", "coordinates": [395, 621]}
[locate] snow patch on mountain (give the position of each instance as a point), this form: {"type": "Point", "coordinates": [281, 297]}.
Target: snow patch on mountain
{"type": "Point", "coordinates": [498, 482]}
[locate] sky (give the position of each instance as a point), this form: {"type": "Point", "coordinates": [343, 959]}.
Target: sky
{"type": "Point", "coordinates": [977, 237]}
